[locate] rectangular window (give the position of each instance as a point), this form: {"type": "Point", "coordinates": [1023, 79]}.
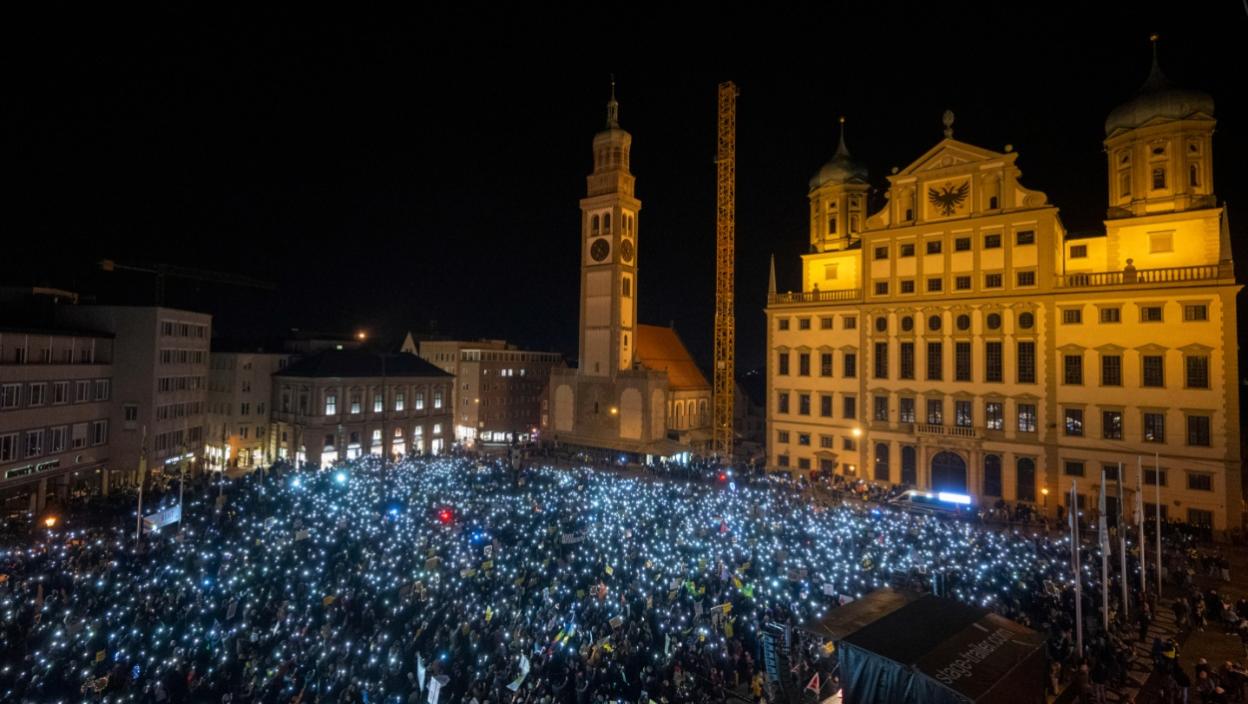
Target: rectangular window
{"type": "Point", "coordinates": [992, 241]}
{"type": "Point", "coordinates": [782, 324]}
{"type": "Point", "coordinates": [803, 364]}
{"type": "Point", "coordinates": [1154, 427]}
{"type": "Point", "coordinates": [783, 363]}
{"type": "Point", "coordinates": [1026, 418]}
{"type": "Point", "coordinates": [962, 283]}
{"type": "Point", "coordinates": [1079, 251]}
{"type": "Point", "coordinates": [379, 402]}
{"type": "Point", "coordinates": [783, 460]}
{"type": "Point", "coordinates": [850, 445]}
{"type": "Point", "coordinates": [1026, 278]}
{"type": "Point", "coordinates": [905, 410]}
{"type": "Point", "coordinates": [1160, 242]}
{"type": "Point", "coordinates": [1025, 237]}
{"type": "Point", "coordinates": [825, 364]}
{"type": "Point", "coordinates": [130, 413]}
{"type": "Point", "coordinates": [1074, 422]}
{"type": "Point", "coordinates": [1198, 481]}
{"type": "Point", "coordinates": [1072, 369]}
{"type": "Point", "coordinates": [907, 360]}
{"type": "Point", "coordinates": [783, 402]}
{"type": "Point", "coordinates": [935, 284]}
{"type": "Point", "coordinates": [99, 432]}
{"type": "Point", "coordinates": [1072, 316]}
{"type": "Point", "coordinates": [993, 368]}
{"type": "Point", "coordinates": [1111, 315]}
{"type": "Point", "coordinates": [849, 322]}
{"type": "Point", "coordinates": [933, 246]}
{"type": "Point", "coordinates": [1026, 362]}
{"type": "Point", "coordinates": [881, 407]}
{"type": "Point", "coordinates": [935, 411]}
{"type": "Point", "coordinates": [906, 250]}
{"type": "Point", "coordinates": [881, 288]}
{"type": "Point", "coordinates": [1111, 370]}
{"type": "Point", "coordinates": [1195, 312]}
{"type": "Point", "coordinates": [782, 436]}
{"type": "Point", "coordinates": [803, 404]}
{"type": "Point", "coordinates": [331, 405]}
{"type": "Point", "coordinates": [82, 391]}
{"type": "Point", "coordinates": [994, 415]}
{"type": "Point", "coordinates": [907, 285]}
{"type": "Point", "coordinates": [1198, 431]}
{"type": "Point", "coordinates": [1153, 371]}
{"type": "Point", "coordinates": [825, 323]}
{"type": "Point", "coordinates": [962, 244]}
{"type": "Point", "coordinates": [1073, 468]}
{"type": "Point", "coordinates": [992, 281]}
{"type": "Point", "coordinates": [881, 252]}
{"type": "Point", "coordinates": [60, 392]}
{"type": "Point", "coordinates": [59, 434]}
{"type": "Point", "coordinates": [935, 361]}
{"type": "Point", "coordinates": [802, 324]}
{"type": "Point", "coordinates": [1197, 372]}
{"type": "Point", "coordinates": [1151, 314]}
{"type": "Point", "coordinates": [963, 416]}
{"type": "Point", "coordinates": [803, 439]}
{"type": "Point", "coordinates": [850, 363]}
{"type": "Point", "coordinates": [437, 399]}
{"type": "Point", "coordinates": [825, 441]}
{"type": "Point", "coordinates": [8, 447]}
{"type": "Point", "coordinates": [881, 360]}
{"type": "Point", "coordinates": [419, 401]}
{"type": "Point", "coordinates": [1200, 517]}
{"type": "Point", "coordinates": [1111, 425]}
{"type": "Point", "coordinates": [34, 443]}
{"type": "Point", "coordinates": [1150, 478]}
{"type": "Point", "coordinates": [962, 361]}
{"type": "Point", "coordinates": [849, 407]}
{"type": "Point", "coordinates": [38, 394]}
{"type": "Point", "coordinates": [825, 405]}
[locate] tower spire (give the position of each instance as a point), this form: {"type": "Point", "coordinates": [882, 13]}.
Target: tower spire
{"type": "Point", "coordinates": [1156, 79]}
{"type": "Point", "coordinates": [841, 149]}
{"type": "Point", "coordinates": [771, 277]}
{"type": "Point", "coordinates": [613, 108]}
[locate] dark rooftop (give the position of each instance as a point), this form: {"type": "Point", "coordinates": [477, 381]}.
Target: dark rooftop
{"type": "Point", "coordinates": [361, 363]}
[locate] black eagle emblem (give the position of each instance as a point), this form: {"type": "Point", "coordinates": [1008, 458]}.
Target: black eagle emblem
{"type": "Point", "coordinates": [948, 198]}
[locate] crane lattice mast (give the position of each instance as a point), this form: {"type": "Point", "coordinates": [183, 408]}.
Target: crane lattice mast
{"type": "Point", "coordinates": [725, 254]}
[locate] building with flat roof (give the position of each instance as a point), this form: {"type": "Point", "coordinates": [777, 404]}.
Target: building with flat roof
{"type": "Point", "coordinates": [240, 394]}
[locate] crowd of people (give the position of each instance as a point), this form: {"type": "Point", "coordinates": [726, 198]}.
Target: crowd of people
{"type": "Point", "coordinates": [380, 581]}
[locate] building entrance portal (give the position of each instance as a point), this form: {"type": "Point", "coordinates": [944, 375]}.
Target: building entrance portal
{"type": "Point", "coordinates": [949, 473]}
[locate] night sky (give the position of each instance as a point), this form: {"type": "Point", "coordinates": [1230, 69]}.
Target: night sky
{"type": "Point", "coordinates": [389, 172]}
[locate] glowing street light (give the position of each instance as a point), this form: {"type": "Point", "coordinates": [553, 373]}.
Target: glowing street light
{"type": "Point", "coordinates": [50, 522]}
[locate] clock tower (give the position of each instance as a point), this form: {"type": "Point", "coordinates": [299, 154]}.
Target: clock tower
{"type": "Point", "coordinates": [609, 254]}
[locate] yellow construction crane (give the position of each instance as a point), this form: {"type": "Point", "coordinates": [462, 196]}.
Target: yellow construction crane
{"type": "Point", "coordinates": [725, 266]}
{"type": "Point", "coordinates": [161, 271]}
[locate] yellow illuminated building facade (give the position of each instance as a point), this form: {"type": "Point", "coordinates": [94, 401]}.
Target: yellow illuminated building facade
{"type": "Point", "coordinates": [961, 339]}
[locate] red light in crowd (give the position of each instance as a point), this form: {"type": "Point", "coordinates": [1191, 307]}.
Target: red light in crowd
{"type": "Point", "coordinates": [445, 515]}
{"type": "Point", "coordinates": [722, 476]}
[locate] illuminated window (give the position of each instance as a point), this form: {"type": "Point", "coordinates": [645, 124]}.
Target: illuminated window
{"type": "Point", "coordinates": [994, 415]}
{"type": "Point", "coordinates": [1111, 425]}
{"type": "Point", "coordinates": [331, 404]}
{"type": "Point", "coordinates": [1154, 427]}
{"type": "Point", "coordinates": [1026, 418]}
{"type": "Point", "coordinates": [905, 409]}
{"type": "Point", "coordinates": [437, 398]}
{"type": "Point", "coordinates": [1074, 422]}
{"type": "Point", "coordinates": [399, 401]}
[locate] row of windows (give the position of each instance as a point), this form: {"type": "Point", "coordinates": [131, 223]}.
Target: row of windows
{"type": "Point", "coordinates": [960, 244]}
{"type": "Point", "coordinates": [179, 410]}
{"type": "Point", "coordinates": [1152, 426]}
{"type": "Point", "coordinates": [44, 355]}
{"type": "Point", "coordinates": [936, 284]}
{"type": "Point", "coordinates": [1152, 370]}
{"type": "Point", "coordinates": [180, 356]}
{"type": "Point", "coordinates": [37, 393]}
{"type": "Point", "coordinates": [848, 322]}
{"type": "Point", "coordinates": [1149, 313]}
{"type": "Point", "coordinates": [356, 400]}
{"type": "Point", "coordinates": [353, 437]}
{"type": "Point", "coordinates": [178, 439]}
{"type": "Point", "coordinates": [826, 442]}
{"type": "Point", "coordinates": [173, 328]}
{"type": "Point", "coordinates": [167, 384]}
{"type": "Point", "coordinates": [40, 441]}
{"type": "Point", "coordinates": [934, 362]}
{"type": "Point", "coordinates": [1196, 480]}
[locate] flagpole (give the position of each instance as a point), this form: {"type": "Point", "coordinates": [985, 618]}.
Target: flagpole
{"type": "Point", "coordinates": [1074, 563]}
{"type": "Point", "coordinates": [138, 523]}
{"type": "Point", "coordinates": [1103, 539]}
{"type": "Point", "coordinates": [1157, 484]}
{"type": "Point", "coordinates": [1139, 518]}
{"type": "Point", "coordinates": [1122, 550]}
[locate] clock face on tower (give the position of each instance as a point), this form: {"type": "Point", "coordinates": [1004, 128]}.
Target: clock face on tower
{"type": "Point", "coordinates": [626, 250]}
{"type": "Point", "coordinates": [599, 249]}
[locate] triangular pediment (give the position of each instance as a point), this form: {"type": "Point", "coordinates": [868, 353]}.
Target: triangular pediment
{"type": "Point", "coordinates": [950, 153]}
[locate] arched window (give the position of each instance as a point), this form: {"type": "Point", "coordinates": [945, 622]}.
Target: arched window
{"type": "Point", "coordinates": [909, 466]}
{"type": "Point", "coordinates": [1026, 480]}
{"type": "Point", "coordinates": [606, 223]}
{"type": "Point", "coordinates": [881, 462]}
{"type": "Point", "coordinates": [593, 226]}
{"type": "Point", "coordinates": [992, 476]}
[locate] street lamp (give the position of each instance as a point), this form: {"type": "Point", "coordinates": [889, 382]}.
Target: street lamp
{"type": "Point", "coordinates": [50, 522]}
{"type": "Point", "coordinates": [856, 432]}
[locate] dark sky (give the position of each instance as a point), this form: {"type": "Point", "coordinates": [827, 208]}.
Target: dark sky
{"type": "Point", "coordinates": [386, 172]}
